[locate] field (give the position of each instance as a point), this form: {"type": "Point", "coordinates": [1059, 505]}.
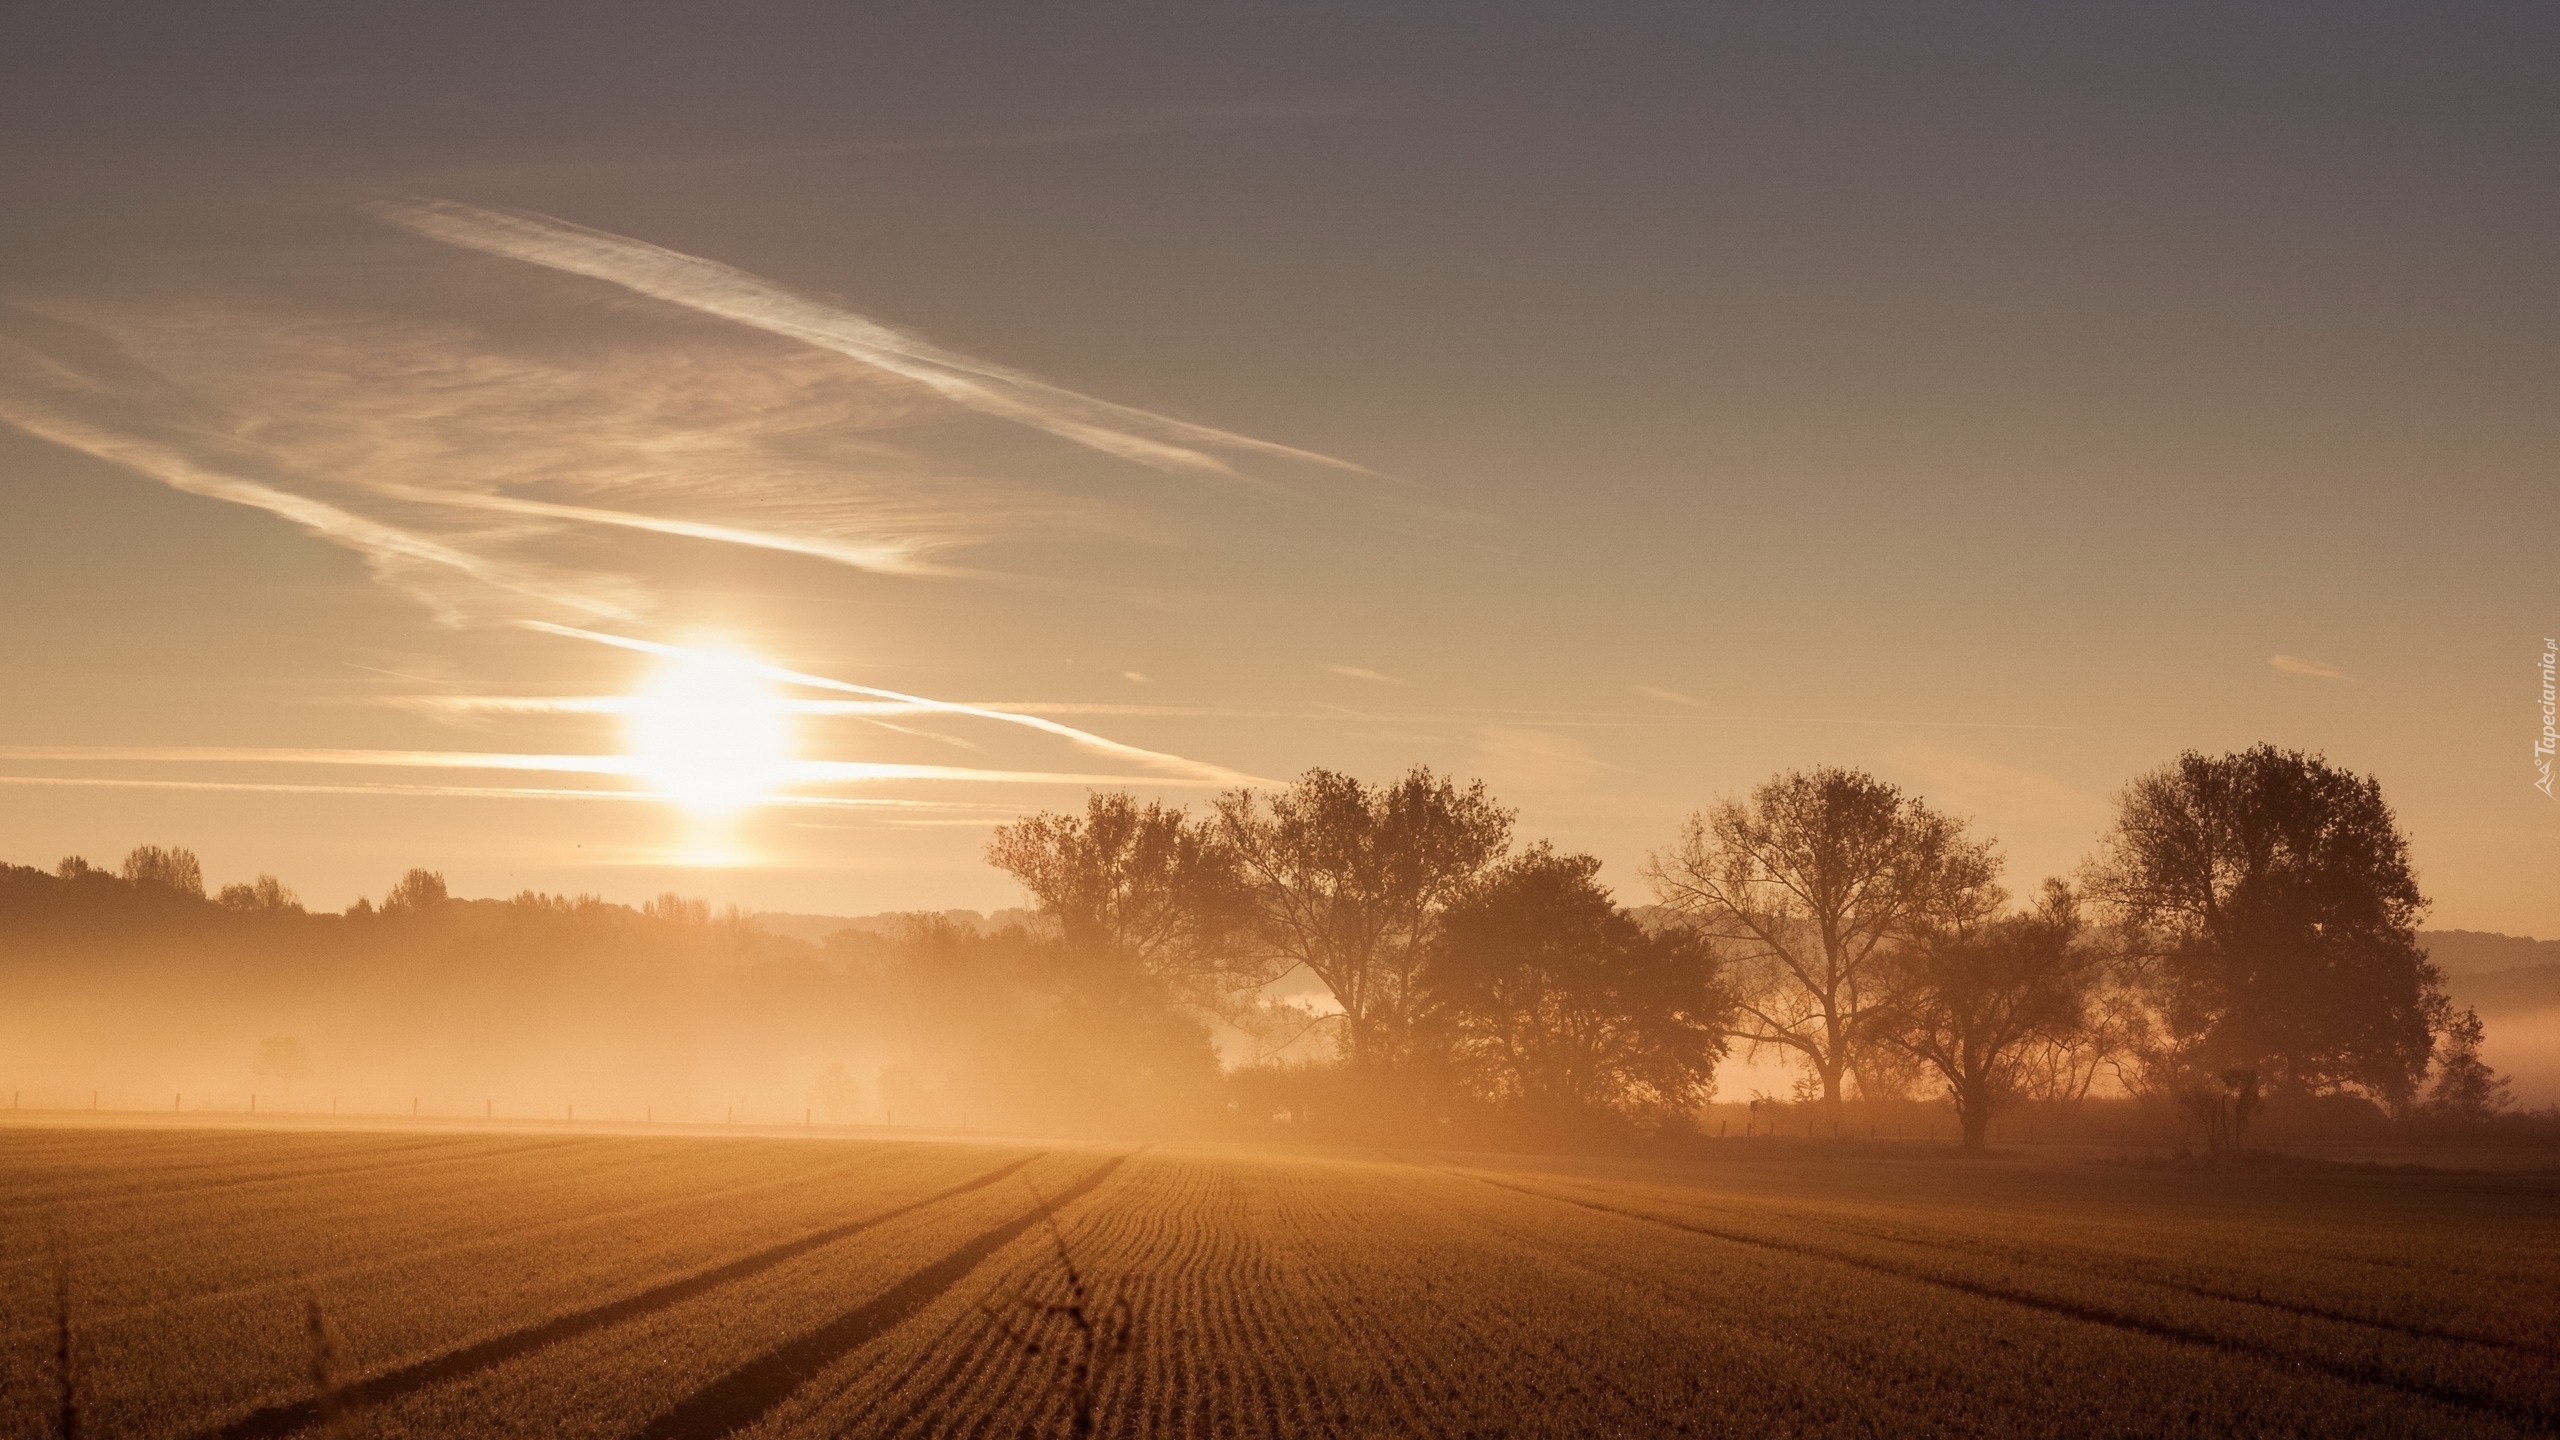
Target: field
{"type": "Point", "coordinates": [588, 1284]}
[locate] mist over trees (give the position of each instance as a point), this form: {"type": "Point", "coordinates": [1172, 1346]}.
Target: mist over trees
{"type": "Point", "coordinates": [1808, 890]}
{"type": "Point", "coordinates": [2242, 937]}
{"type": "Point", "coordinates": [2268, 915]}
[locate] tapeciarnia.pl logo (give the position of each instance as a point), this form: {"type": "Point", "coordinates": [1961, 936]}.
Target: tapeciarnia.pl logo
{"type": "Point", "coordinates": [2550, 737]}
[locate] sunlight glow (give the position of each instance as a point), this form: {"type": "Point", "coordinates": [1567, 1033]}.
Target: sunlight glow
{"type": "Point", "coordinates": [708, 733]}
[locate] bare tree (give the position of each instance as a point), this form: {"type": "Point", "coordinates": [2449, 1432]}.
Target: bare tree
{"type": "Point", "coordinates": [170, 869]}
{"type": "Point", "coordinates": [2466, 1091]}
{"type": "Point", "coordinates": [283, 1059]}
{"type": "Point", "coordinates": [417, 890]}
{"type": "Point", "coordinates": [266, 895]}
{"type": "Point", "coordinates": [1974, 1000]}
{"type": "Point", "coordinates": [1806, 889]}
{"type": "Point", "coordinates": [1349, 880]}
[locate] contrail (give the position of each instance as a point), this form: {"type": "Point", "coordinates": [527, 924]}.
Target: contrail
{"type": "Point", "coordinates": [385, 547]}
{"type": "Point", "coordinates": [473, 792]}
{"type": "Point", "coordinates": [716, 289]}
{"type": "Point", "coordinates": [1195, 769]}
{"type": "Point", "coordinates": [817, 772]}
{"type": "Point", "coordinates": [887, 557]}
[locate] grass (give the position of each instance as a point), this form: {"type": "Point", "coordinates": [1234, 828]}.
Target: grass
{"type": "Point", "coordinates": [257, 1283]}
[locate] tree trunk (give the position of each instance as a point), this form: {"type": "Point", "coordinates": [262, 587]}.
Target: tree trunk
{"type": "Point", "coordinates": [1973, 1112]}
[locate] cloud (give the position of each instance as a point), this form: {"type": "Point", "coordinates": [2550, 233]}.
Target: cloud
{"type": "Point", "coordinates": [1354, 672]}
{"type": "Point", "coordinates": [1972, 784]}
{"type": "Point", "coordinates": [803, 772]}
{"type": "Point", "coordinates": [1192, 771]}
{"type": "Point", "coordinates": [504, 449]}
{"type": "Point", "coordinates": [2316, 669]}
{"type": "Point", "coordinates": [1674, 697]}
{"type": "Point", "coordinates": [1524, 758]}
{"type": "Point", "coordinates": [716, 289]}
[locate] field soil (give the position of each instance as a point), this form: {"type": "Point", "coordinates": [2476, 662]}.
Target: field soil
{"type": "Point", "coordinates": [233, 1282]}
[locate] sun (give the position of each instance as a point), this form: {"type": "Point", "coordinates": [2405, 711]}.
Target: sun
{"type": "Point", "coordinates": [709, 733]}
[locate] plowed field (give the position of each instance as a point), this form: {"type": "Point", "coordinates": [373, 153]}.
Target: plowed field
{"type": "Point", "coordinates": [610, 1285]}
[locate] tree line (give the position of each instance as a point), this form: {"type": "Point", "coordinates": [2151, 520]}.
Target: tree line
{"type": "Point", "coordinates": [2244, 931]}
{"type": "Point", "coordinates": [2242, 934]}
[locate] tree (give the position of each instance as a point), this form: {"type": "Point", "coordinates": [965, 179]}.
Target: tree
{"type": "Point", "coordinates": [1556, 1000]}
{"type": "Point", "coordinates": [1146, 902]}
{"type": "Point", "coordinates": [2270, 912]}
{"type": "Point", "coordinates": [1974, 1001]}
{"type": "Point", "coordinates": [417, 890]}
{"type": "Point", "coordinates": [1806, 889]}
{"type": "Point", "coordinates": [834, 1093]}
{"type": "Point", "coordinates": [2466, 1090]}
{"type": "Point", "coordinates": [171, 869]}
{"type": "Point", "coordinates": [1349, 880]}
{"type": "Point", "coordinates": [266, 894]}
{"type": "Point", "coordinates": [282, 1059]}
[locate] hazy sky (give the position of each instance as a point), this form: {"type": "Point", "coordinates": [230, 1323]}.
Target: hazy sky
{"type": "Point", "coordinates": [1618, 403]}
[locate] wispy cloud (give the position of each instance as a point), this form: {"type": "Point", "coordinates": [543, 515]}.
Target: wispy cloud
{"type": "Point", "coordinates": [731, 294]}
{"type": "Point", "coordinates": [1673, 697]}
{"type": "Point", "coordinates": [1356, 672]}
{"type": "Point", "coordinates": [2316, 669]}
{"type": "Point", "coordinates": [1978, 784]}
{"type": "Point", "coordinates": [801, 772]}
{"type": "Point", "coordinates": [1526, 758]}
{"type": "Point", "coordinates": [1189, 769]}
{"type": "Point", "coordinates": [507, 451]}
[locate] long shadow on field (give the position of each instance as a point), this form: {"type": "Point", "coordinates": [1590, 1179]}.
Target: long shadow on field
{"type": "Point", "coordinates": [747, 1394]}
{"type": "Point", "coordinates": [277, 1420]}
{"type": "Point", "coordinates": [2532, 1414]}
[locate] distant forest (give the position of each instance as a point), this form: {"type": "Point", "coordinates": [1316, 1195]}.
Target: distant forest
{"type": "Point", "coordinates": [2241, 945]}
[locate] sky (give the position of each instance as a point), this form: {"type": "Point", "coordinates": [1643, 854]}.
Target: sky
{"type": "Point", "coordinates": [1620, 404]}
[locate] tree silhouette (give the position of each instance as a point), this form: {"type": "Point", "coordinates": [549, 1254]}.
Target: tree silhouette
{"type": "Point", "coordinates": [1973, 1001]}
{"type": "Point", "coordinates": [1145, 901]}
{"type": "Point", "coordinates": [266, 894]}
{"type": "Point", "coordinates": [283, 1059]}
{"type": "Point", "coordinates": [171, 869]}
{"type": "Point", "coordinates": [2466, 1090]}
{"type": "Point", "coordinates": [417, 890]}
{"type": "Point", "coordinates": [1349, 880]}
{"type": "Point", "coordinates": [1807, 888]}
{"type": "Point", "coordinates": [1555, 999]}
{"type": "Point", "coordinates": [2271, 914]}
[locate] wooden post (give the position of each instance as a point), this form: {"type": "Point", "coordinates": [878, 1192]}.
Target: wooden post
{"type": "Point", "coordinates": [177, 1102]}
{"type": "Point", "coordinates": [1721, 1127]}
